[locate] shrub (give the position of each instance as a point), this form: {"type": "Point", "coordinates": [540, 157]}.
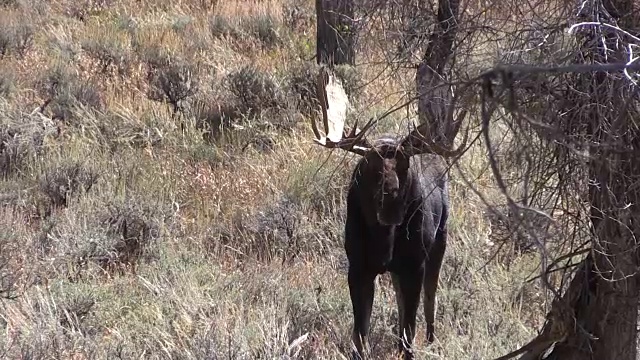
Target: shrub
{"type": "Point", "coordinates": [263, 27]}
{"type": "Point", "coordinates": [301, 83]}
{"type": "Point", "coordinates": [66, 92]}
{"type": "Point", "coordinates": [255, 90]}
{"type": "Point", "coordinates": [133, 229]}
{"type": "Point", "coordinates": [155, 55]}
{"type": "Point", "coordinates": [126, 23]}
{"type": "Point", "coordinates": [83, 9]}
{"type": "Point", "coordinates": [351, 79]}
{"type": "Point", "coordinates": [61, 182]}
{"type": "Point", "coordinates": [110, 237]}
{"type": "Point", "coordinates": [65, 102]}
{"type": "Point", "coordinates": [9, 3]}
{"type": "Point", "coordinates": [21, 138]}
{"type": "Point", "coordinates": [109, 51]}
{"type": "Point", "coordinates": [117, 129]}
{"type": "Point", "coordinates": [297, 17]}
{"type": "Point", "coordinates": [221, 27]}
{"type": "Point", "coordinates": [6, 83]}
{"type": "Point", "coordinates": [261, 142]}
{"type": "Point", "coordinates": [181, 22]}
{"type": "Point", "coordinates": [173, 83]}
{"type": "Point", "coordinates": [105, 236]}
{"type": "Point", "coordinates": [15, 36]}
{"type": "Point", "coordinates": [211, 116]}
{"type": "Point", "coordinates": [271, 233]}
{"type": "Point", "coordinates": [281, 229]}
{"type": "Point", "coordinates": [12, 150]}
{"type": "Point", "coordinates": [8, 280]}
{"type": "Point", "coordinates": [74, 311]}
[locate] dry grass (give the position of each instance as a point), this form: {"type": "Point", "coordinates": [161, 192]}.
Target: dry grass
{"type": "Point", "coordinates": [240, 249]}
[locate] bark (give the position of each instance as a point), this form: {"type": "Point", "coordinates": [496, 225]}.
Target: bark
{"type": "Point", "coordinates": [607, 317]}
{"type": "Point", "coordinates": [335, 32]}
{"type": "Point", "coordinates": [597, 316]}
{"type": "Point", "coordinates": [603, 297]}
{"type": "Point", "coordinates": [606, 299]}
{"type": "Point", "coordinates": [435, 95]}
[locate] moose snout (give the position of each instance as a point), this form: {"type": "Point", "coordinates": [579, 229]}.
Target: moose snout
{"type": "Point", "coordinates": [389, 211]}
{"type": "Point", "coordinates": [391, 187]}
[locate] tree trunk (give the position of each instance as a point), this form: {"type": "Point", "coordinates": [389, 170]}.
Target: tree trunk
{"type": "Point", "coordinates": [603, 297]}
{"type": "Point", "coordinates": [435, 94]}
{"type": "Point", "coordinates": [605, 300]}
{"type": "Point", "coordinates": [606, 321]}
{"type": "Point", "coordinates": [335, 32]}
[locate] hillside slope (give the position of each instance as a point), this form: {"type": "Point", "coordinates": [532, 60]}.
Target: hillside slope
{"type": "Point", "coordinates": [235, 234]}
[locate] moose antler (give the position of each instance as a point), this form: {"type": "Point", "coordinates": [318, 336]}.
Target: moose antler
{"type": "Point", "coordinates": [420, 140]}
{"type": "Point", "coordinates": [334, 103]}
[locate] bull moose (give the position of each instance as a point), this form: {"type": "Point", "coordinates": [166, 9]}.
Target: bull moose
{"type": "Point", "coordinates": [397, 210]}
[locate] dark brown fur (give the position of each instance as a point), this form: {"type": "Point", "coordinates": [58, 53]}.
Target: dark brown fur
{"type": "Point", "coordinates": [397, 211]}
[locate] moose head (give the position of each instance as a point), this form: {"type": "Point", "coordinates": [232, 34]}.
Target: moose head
{"type": "Point", "coordinates": [386, 159]}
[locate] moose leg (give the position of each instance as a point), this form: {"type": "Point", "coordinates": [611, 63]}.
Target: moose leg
{"type": "Point", "coordinates": [400, 303]}
{"type": "Point", "coordinates": [361, 289]}
{"type": "Point", "coordinates": [410, 285]}
{"type": "Point", "coordinates": [432, 275]}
